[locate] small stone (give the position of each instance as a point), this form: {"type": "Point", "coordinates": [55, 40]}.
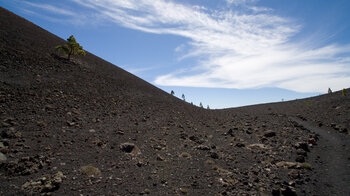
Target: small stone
{"type": "Point", "coordinates": [185, 155]}
{"type": "Point", "coordinates": [240, 145]}
{"type": "Point", "coordinates": [289, 191]}
{"type": "Point", "coordinates": [202, 147]}
{"type": "Point", "coordinates": [301, 152]}
{"type": "Point", "coordinates": [262, 146]}
{"type": "Point", "coordinates": [300, 159]}
{"type": "Point", "coordinates": [160, 158]}
{"type": "Point", "coordinates": [287, 164]}
{"type": "Point", "coordinates": [92, 130]}
{"type": "Point", "coordinates": [127, 147]}
{"type": "Point", "coordinates": [276, 192]}
{"type": "Point", "coordinates": [214, 155]}
{"type": "Point", "coordinates": [303, 145]}
{"type": "Point", "coordinates": [3, 158]}
{"type": "Point", "coordinates": [269, 133]}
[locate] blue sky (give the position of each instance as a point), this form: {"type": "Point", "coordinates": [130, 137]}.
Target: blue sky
{"type": "Point", "coordinates": [223, 53]}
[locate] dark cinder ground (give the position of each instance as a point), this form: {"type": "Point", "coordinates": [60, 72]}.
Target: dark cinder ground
{"type": "Point", "coordinates": [87, 127]}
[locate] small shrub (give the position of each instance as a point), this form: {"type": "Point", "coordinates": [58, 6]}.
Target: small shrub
{"type": "Point", "coordinates": [308, 103]}
{"type": "Point", "coordinates": [72, 47]}
{"type": "Point", "coordinates": [183, 97]}
{"type": "Point", "coordinates": [90, 170]}
{"type": "Point", "coordinates": [343, 92]}
{"type": "Point", "coordinates": [306, 166]}
{"type": "Point", "coordinates": [330, 91]}
{"type": "Point", "coordinates": [201, 105]}
{"type": "Point", "coordinates": [172, 92]}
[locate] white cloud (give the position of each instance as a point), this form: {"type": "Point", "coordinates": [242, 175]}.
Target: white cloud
{"type": "Point", "coordinates": [238, 49]}
{"type": "Point", "coordinates": [50, 8]}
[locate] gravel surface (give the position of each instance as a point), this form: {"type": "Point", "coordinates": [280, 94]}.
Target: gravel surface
{"type": "Point", "coordinates": [87, 127]}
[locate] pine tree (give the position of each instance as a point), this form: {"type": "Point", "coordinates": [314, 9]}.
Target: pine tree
{"type": "Point", "coordinates": [172, 92]}
{"type": "Point", "coordinates": [201, 105]}
{"type": "Point", "coordinates": [72, 47]}
{"type": "Point", "coordinates": [329, 91]}
{"type": "Point", "coordinates": [208, 107]}
{"type": "Point", "coordinates": [183, 97]}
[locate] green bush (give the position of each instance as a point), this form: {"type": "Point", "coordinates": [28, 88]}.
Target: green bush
{"type": "Point", "coordinates": [72, 47]}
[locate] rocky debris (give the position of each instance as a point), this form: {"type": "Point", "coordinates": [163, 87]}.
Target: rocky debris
{"type": "Point", "coordinates": [3, 158]}
{"type": "Point", "coordinates": [160, 158]}
{"type": "Point", "coordinates": [288, 191]}
{"type": "Point", "coordinates": [44, 185]}
{"type": "Point", "coordinates": [214, 155]}
{"type": "Point", "coordinates": [185, 155]}
{"type": "Point", "coordinates": [202, 147]}
{"type": "Point", "coordinates": [8, 122]}
{"type": "Point", "coordinates": [302, 145]}
{"type": "Point", "coordinates": [130, 148]}
{"type": "Point", "coordinates": [231, 132]}
{"type": "Point", "coordinates": [262, 146]}
{"type": "Point", "coordinates": [90, 171]}
{"type": "Point", "coordinates": [240, 145]}
{"type": "Point", "coordinates": [269, 133]}
{"type": "Point", "coordinates": [24, 165]}
{"type": "Point", "coordinates": [10, 133]}
{"type": "Point", "coordinates": [287, 164]}
{"type": "Point", "coordinates": [301, 152]}
{"type": "Point", "coordinates": [300, 159]}
{"type": "Point", "coordinates": [196, 139]}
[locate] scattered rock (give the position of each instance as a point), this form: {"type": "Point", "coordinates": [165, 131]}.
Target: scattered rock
{"type": "Point", "coordinates": [276, 192]}
{"type": "Point", "coordinates": [300, 159]}
{"type": "Point", "coordinates": [269, 133]}
{"type": "Point", "coordinates": [90, 171]}
{"type": "Point", "coordinates": [288, 191]}
{"type": "Point", "coordinates": [301, 152]}
{"type": "Point", "coordinates": [185, 155]}
{"type": "Point", "coordinates": [214, 155]}
{"type": "Point", "coordinates": [202, 147]}
{"type": "Point", "coordinates": [311, 141]}
{"type": "Point", "coordinates": [10, 133]}
{"type": "Point", "coordinates": [230, 132]}
{"type": "Point", "coordinates": [130, 148]}
{"type": "Point", "coordinates": [262, 146]}
{"type": "Point", "coordinates": [44, 185]}
{"type": "Point", "coordinates": [302, 145]}
{"type": "Point", "coordinates": [240, 145]}
{"type": "Point", "coordinates": [287, 164]}
{"type": "Point", "coordinates": [24, 165]}
{"type": "Point", "coordinates": [92, 130]}
{"type": "Point", "coordinates": [160, 158]}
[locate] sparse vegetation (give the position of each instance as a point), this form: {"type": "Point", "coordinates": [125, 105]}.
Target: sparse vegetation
{"type": "Point", "coordinates": [201, 105]}
{"type": "Point", "coordinates": [343, 92]}
{"type": "Point", "coordinates": [172, 92]}
{"type": "Point", "coordinates": [90, 170]}
{"type": "Point", "coordinates": [330, 91]}
{"type": "Point", "coordinates": [308, 103]}
{"type": "Point", "coordinates": [72, 47]}
{"type": "Point", "coordinates": [208, 107]}
{"type": "Point", "coordinates": [183, 97]}
{"type": "Point", "coordinates": [306, 166]}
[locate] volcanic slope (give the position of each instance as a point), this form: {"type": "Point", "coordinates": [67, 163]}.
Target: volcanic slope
{"type": "Point", "coordinates": [87, 127]}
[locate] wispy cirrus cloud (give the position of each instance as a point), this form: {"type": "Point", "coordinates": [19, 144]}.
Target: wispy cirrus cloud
{"type": "Point", "coordinates": [51, 8]}
{"type": "Point", "coordinates": [249, 47]}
